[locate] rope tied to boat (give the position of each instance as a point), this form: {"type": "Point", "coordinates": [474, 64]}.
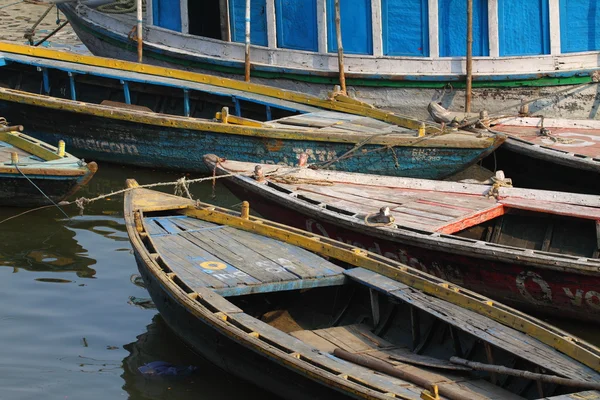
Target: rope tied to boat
{"type": "Point", "coordinates": [81, 202]}
{"type": "Point", "coordinates": [498, 181]}
{"type": "Point", "coordinates": [182, 187]}
{"type": "Point", "coordinates": [548, 133]}
{"type": "Point", "coordinates": [381, 218]}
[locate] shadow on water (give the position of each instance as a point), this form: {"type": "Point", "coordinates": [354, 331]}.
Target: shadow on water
{"type": "Point", "coordinates": [159, 343]}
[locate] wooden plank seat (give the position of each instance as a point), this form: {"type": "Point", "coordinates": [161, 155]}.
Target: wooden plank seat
{"type": "Point", "coordinates": [517, 343]}
{"type": "Point", "coordinates": [198, 252]}
{"type": "Point", "coordinates": [424, 210]}
{"type": "Point", "coordinates": [358, 339]}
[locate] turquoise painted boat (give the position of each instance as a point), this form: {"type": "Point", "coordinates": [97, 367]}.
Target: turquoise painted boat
{"type": "Point", "coordinates": [156, 117]}
{"type": "Point", "coordinates": [34, 173]}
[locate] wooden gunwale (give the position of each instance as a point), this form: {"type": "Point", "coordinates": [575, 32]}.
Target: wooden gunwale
{"type": "Point", "coordinates": [353, 106]}
{"type": "Point", "coordinates": [421, 238]}
{"type": "Point", "coordinates": [455, 140]}
{"type": "Point", "coordinates": [560, 340]}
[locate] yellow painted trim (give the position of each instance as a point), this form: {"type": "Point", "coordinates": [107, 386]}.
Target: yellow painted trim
{"type": "Point", "coordinates": [590, 355]}
{"type": "Point", "coordinates": [29, 144]}
{"type": "Point", "coordinates": [150, 118]}
{"type": "Point", "coordinates": [343, 104]}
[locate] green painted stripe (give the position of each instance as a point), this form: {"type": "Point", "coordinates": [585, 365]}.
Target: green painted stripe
{"type": "Point", "coordinates": [540, 82]}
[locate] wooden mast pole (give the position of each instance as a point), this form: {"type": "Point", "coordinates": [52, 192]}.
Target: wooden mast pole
{"type": "Point", "coordinates": [469, 55]}
{"type": "Point", "coordinates": [140, 18]}
{"type": "Point", "coordinates": [247, 52]}
{"type": "Point", "coordinates": [338, 33]}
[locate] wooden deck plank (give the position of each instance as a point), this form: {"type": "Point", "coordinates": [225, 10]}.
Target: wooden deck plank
{"type": "Point", "coordinates": [185, 261]}
{"type": "Point", "coordinates": [346, 338]}
{"type": "Point", "coordinates": [488, 330]}
{"type": "Point", "coordinates": [245, 259]}
{"type": "Point", "coordinates": [282, 286]}
{"type": "Point", "coordinates": [193, 224]}
{"type": "Point", "coordinates": [152, 228]}
{"type": "Point", "coordinates": [383, 382]}
{"type": "Point", "coordinates": [568, 210]}
{"type": "Point", "coordinates": [218, 302]}
{"type": "Point", "coordinates": [301, 262]}
{"type": "Point", "coordinates": [167, 224]}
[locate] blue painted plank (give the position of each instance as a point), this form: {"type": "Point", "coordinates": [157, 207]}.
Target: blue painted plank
{"type": "Point", "coordinates": [258, 21]}
{"type": "Point", "coordinates": [240, 290]}
{"type": "Point", "coordinates": [167, 225]}
{"type": "Point", "coordinates": [453, 28]}
{"type": "Point", "coordinates": [523, 27]}
{"type": "Point", "coordinates": [296, 24]}
{"type": "Point", "coordinates": [405, 27]}
{"type": "Point", "coordinates": [167, 14]}
{"type": "Point", "coordinates": [579, 25]}
{"type": "Point", "coordinates": [357, 33]}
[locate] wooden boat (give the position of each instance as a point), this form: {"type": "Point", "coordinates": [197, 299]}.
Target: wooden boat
{"type": "Point", "coordinates": [398, 53]}
{"type": "Point", "coordinates": [259, 300]}
{"type": "Point", "coordinates": [535, 250]}
{"type": "Point", "coordinates": [542, 152]}
{"type": "Point", "coordinates": [156, 117]}
{"type": "Point", "coordinates": [34, 173]}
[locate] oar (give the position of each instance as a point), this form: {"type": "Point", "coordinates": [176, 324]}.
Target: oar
{"type": "Point", "coordinates": [526, 374]}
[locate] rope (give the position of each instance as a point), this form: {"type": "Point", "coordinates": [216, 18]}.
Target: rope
{"type": "Point", "coordinates": [499, 113]}
{"type": "Point", "coordinates": [377, 214]}
{"type": "Point", "coordinates": [83, 201]}
{"type": "Point", "coordinates": [121, 7]}
{"type": "Point", "coordinates": [498, 182]}
{"type": "Point", "coordinates": [41, 191]}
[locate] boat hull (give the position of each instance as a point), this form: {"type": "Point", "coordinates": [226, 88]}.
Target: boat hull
{"type": "Point", "coordinates": [132, 143]}
{"type": "Point", "coordinates": [227, 353]}
{"type": "Point", "coordinates": [555, 292]}
{"type": "Point", "coordinates": [17, 191]}
{"type": "Point", "coordinates": [402, 93]}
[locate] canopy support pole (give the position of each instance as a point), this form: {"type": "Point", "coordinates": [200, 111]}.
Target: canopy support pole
{"type": "Point", "coordinates": [247, 51]}
{"type": "Point", "coordinates": [338, 33]}
{"type": "Point", "coordinates": [469, 55]}
{"type": "Point", "coordinates": [140, 18]}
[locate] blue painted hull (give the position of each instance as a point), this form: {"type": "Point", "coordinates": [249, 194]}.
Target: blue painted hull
{"type": "Point", "coordinates": [123, 142]}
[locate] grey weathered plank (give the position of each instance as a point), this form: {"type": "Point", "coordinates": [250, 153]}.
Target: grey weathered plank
{"type": "Point", "coordinates": [383, 382]}
{"type": "Point", "coordinates": [152, 228]}
{"type": "Point", "coordinates": [282, 286]}
{"type": "Point", "coordinates": [305, 263]}
{"type": "Point", "coordinates": [168, 224]}
{"type": "Point", "coordinates": [484, 328]}
{"type": "Point", "coordinates": [187, 257]}
{"type": "Point", "coordinates": [244, 259]}
{"type": "Point", "coordinates": [217, 301]}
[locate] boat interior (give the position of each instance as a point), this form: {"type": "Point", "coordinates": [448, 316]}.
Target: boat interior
{"type": "Point", "coordinates": [298, 303]}
{"type": "Point", "coordinates": [173, 97]}
{"type": "Point", "coordinates": [27, 149]}
{"type": "Point", "coordinates": [571, 231]}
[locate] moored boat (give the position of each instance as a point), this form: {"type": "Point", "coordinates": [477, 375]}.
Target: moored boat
{"type": "Point", "coordinates": [541, 152]}
{"type": "Point", "coordinates": [533, 249]}
{"type": "Point", "coordinates": [399, 54]}
{"type": "Point", "coordinates": [259, 300]}
{"type": "Point", "coordinates": [34, 173]}
{"type": "Point", "coordinates": [156, 117]}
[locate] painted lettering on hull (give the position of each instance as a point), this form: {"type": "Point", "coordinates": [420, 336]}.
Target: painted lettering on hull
{"type": "Point", "coordinates": [105, 146]}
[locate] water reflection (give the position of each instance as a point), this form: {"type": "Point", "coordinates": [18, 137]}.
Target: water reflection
{"type": "Point", "coordinates": [44, 245]}
{"type": "Point", "coordinates": [160, 344]}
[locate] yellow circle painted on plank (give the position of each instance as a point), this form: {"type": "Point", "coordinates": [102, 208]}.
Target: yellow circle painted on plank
{"type": "Point", "coordinates": [213, 265]}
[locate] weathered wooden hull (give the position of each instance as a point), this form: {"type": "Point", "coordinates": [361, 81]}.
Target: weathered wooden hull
{"type": "Point", "coordinates": [557, 292]}
{"type": "Point", "coordinates": [17, 191]}
{"type": "Point", "coordinates": [403, 91]}
{"type": "Point", "coordinates": [228, 354]}
{"type": "Point", "coordinates": [126, 142]}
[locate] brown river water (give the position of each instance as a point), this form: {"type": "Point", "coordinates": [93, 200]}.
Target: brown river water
{"type": "Point", "coordinates": [72, 320]}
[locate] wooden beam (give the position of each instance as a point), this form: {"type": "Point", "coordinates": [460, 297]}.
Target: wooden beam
{"type": "Point", "coordinates": [376, 28]}
{"type": "Point", "coordinates": [473, 219]}
{"type": "Point", "coordinates": [185, 16]}
{"type": "Point", "coordinates": [322, 26]}
{"type": "Point", "coordinates": [271, 24]}
{"type": "Point", "coordinates": [493, 33]}
{"type": "Point", "coordinates": [554, 21]}
{"type": "Point", "coordinates": [434, 44]}
{"type": "Point", "coordinates": [224, 19]}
